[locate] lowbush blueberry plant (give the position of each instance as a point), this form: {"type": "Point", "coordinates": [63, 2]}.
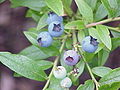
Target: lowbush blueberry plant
{"type": "Point", "coordinates": [74, 50]}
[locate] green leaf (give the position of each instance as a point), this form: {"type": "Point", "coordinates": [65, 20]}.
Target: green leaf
{"type": "Point", "coordinates": [78, 24]}
{"type": "Point", "coordinates": [113, 4]}
{"type": "Point", "coordinates": [42, 22]}
{"type": "Point", "coordinates": [102, 57]}
{"type": "Point", "coordinates": [100, 47]}
{"type": "Point", "coordinates": [91, 3]}
{"type": "Point", "coordinates": [44, 64]}
{"type": "Point", "coordinates": [118, 10]}
{"type": "Point", "coordinates": [112, 77]}
{"type": "Point", "coordinates": [66, 5]}
{"type": "Point", "coordinates": [23, 66]}
{"type": "Point", "coordinates": [94, 33]}
{"type": "Point", "coordinates": [115, 43]}
{"type": "Point", "coordinates": [32, 37]}
{"type": "Point", "coordinates": [17, 75]}
{"type": "Point", "coordinates": [85, 10]}
{"type": "Point", "coordinates": [101, 71]}
{"type": "Point", "coordinates": [56, 6]}
{"type": "Point", "coordinates": [34, 52]}
{"type": "Point", "coordinates": [101, 12]}
{"type": "Point", "coordinates": [55, 84]}
{"type": "Point", "coordinates": [81, 35]}
{"type": "Point", "coordinates": [33, 29]}
{"type": "Point", "coordinates": [94, 61]}
{"type": "Point", "coordinates": [104, 36]}
{"type": "Point", "coordinates": [32, 4]}
{"type": "Point", "coordinates": [89, 85]}
{"type": "Point", "coordinates": [56, 43]}
{"type": "Point", "coordinates": [38, 53]}
{"type": "Point", "coordinates": [33, 14]}
{"type": "Point", "coordinates": [114, 86]}
{"type": "Point", "coordinates": [111, 11]}
{"type": "Point", "coordinates": [89, 56]}
{"type": "Point", "coordinates": [2, 1]}
{"type": "Point", "coordinates": [50, 51]}
{"type": "Point", "coordinates": [69, 43]}
{"type": "Point", "coordinates": [115, 34]}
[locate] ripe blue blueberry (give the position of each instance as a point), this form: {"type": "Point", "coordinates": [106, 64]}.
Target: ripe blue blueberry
{"type": "Point", "coordinates": [89, 44]}
{"type": "Point", "coordinates": [71, 57]}
{"type": "Point", "coordinates": [66, 83]}
{"type": "Point", "coordinates": [44, 39]}
{"type": "Point", "coordinates": [60, 72]}
{"type": "Point", "coordinates": [56, 29]}
{"type": "Point", "coordinates": [53, 17]}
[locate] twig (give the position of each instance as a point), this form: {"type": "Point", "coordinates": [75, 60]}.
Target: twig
{"type": "Point", "coordinates": [102, 22]}
{"type": "Point", "coordinates": [90, 71]}
{"type": "Point", "coordinates": [55, 64]}
{"type": "Point", "coordinates": [88, 67]}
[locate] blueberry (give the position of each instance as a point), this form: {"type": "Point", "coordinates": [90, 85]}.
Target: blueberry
{"type": "Point", "coordinates": [56, 29]}
{"type": "Point", "coordinates": [89, 44]}
{"type": "Point", "coordinates": [60, 72]}
{"type": "Point", "coordinates": [66, 83]}
{"type": "Point", "coordinates": [44, 39]}
{"type": "Point", "coordinates": [70, 57]}
{"type": "Point", "coordinates": [53, 17]}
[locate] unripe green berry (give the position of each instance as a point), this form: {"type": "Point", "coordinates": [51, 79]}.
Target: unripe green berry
{"type": "Point", "coordinates": [60, 72]}
{"type": "Point", "coordinates": [66, 83]}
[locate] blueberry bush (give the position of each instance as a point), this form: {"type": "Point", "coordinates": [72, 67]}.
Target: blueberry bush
{"type": "Point", "coordinates": [76, 34]}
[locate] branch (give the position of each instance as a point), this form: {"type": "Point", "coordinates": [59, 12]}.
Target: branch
{"type": "Point", "coordinates": [102, 22]}
{"type": "Point", "coordinates": [55, 63]}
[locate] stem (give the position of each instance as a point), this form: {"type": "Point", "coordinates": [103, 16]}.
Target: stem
{"type": "Point", "coordinates": [102, 22]}
{"type": "Point", "coordinates": [50, 75]}
{"type": "Point", "coordinates": [55, 63]}
{"type": "Point", "coordinates": [63, 43]}
{"type": "Point", "coordinates": [88, 67]}
{"type": "Point", "coordinates": [74, 38]}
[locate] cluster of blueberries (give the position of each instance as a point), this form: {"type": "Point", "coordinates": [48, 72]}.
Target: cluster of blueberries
{"type": "Point", "coordinates": [70, 57]}
{"type": "Point", "coordinates": [55, 29]}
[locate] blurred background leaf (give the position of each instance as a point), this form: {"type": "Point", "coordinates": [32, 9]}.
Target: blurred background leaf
{"type": "Point", "coordinates": [35, 5]}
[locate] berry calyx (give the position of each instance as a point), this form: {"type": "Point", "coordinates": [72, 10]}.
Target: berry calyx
{"type": "Point", "coordinates": [56, 29]}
